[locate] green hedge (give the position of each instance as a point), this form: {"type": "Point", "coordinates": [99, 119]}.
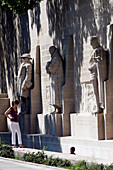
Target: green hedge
{"type": "Point", "coordinates": [42, 158]}
{"type": "Point", "coordinates": [6, 151]}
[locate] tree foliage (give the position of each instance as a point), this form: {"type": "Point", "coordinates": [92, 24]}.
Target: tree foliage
{"type": "Point", "coordinates": [20, 6]}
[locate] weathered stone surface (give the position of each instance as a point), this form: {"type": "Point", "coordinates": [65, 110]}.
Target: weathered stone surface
{"type": "Point", "coordinates": [109, 83]}
{"type": "Point", "coordinates": [109, 126]}
{"type": "Point", "coordinates": [87, 126]}
{"type": "Point", "coordinates": [68, 88]}
{"type": "Point", "coordinates": [3, 95]}
{"type": "Point", "coordinates": [4, 105]}
{"type": "Point", "coordinates": [3, 123]}
{"type": "Point", "coordinates": [36, 100]}
{"type": "Point", "coordinates": [50, 124]}
{"type": "Point", "coordinates": [88, 103]}
{"type": "Point", "coordinates": [50, 24]}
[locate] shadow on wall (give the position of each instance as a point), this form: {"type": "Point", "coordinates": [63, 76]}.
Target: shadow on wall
{"type": "Point", "coordinates": [24, 37]}
{"type": "Point", "coordinates": [3, 87]}
{"type": "Point", "coordinates": [35, 18]}
{"type": "Point", "coordinates": [36, 141]}
{"type": "Point", "coordinates": [14, 40]}
{"type": "Point", "coordinates": [47, 124]}
{"type": "Point", "coordinates": [82, 19]}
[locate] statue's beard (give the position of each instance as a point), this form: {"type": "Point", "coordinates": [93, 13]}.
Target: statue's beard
{"type": "Point", "coordinates": [95, 45]}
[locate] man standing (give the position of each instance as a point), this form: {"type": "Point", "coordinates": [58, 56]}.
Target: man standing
{"type": "Point", "coordinates": [98, 72]}
{"type": "Point", "coordinates": [56, 70]}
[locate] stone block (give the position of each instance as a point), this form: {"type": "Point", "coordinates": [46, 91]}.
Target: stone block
{"type": "Point", "coordinates": [36, 105]}
{"type": "Point", "coordinates": [4, 104]}
{"type": "Point", "coordinates": [50, 124]}
{"type": "Point", "coordinates": [66, 125]}
{"type": "Point", "coordinates": [87, 126]}
{"type": "Point", "coordinates": [108, 126]}
{"type": "Point", "coordinates": [3, 123]}
{"type": "Point", "coordinates": [59, 124]}
{"type": "Point", "coordinates": [40, 123]}
{"type": "Point", "coordinates": [109, 84]}
{"type": "Point", "coordinates": [27, 123]}
{"type": "Point", "coordinates": [3, 95]}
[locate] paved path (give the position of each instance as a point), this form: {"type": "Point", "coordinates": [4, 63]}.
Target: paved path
{"type": "Point", "coordinates": [10, 164]}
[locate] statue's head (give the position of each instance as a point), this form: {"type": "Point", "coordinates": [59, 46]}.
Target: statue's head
{"type": "Point", "coordinates": [26, 56]}
{"type": "Point", "coordinates": [52, 49]}
{"type": "Point", "coordinates": [94, 41]}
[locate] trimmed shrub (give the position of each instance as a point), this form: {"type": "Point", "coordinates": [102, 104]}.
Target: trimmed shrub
{"type": "Point", "coordinates": [41, 158]}
{"type": "Point", "coordinates": [110, 167]}
{"type": "Point", "coordinates": [6, 151]}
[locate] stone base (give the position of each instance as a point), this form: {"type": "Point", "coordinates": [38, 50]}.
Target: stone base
{"type": "Point", "coordinates": [4, 104]}
{"type": "Point", "coordinates": [59, 124]}
{"type": "Point", "coordinates": [3, 123]}
{"type": "Point", "coordinates": [93, 149]}
{"type": "Point", "coordinates": [27, 123]}
{"type": "Point", "coordinates": [87, 126]}
{"type": "Point", "coordinates": [66, 125]}
{"type": "Point", "coordinates": [50, 124]}
{"type": "Point", "coordinates": [108, 126]}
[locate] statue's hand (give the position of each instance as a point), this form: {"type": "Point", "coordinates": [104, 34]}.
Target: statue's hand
{"type": "Point", "coordinates": [89, 69]}
{"type": "Point", "coordinates": [48, 63]}
{"type": "Point", "coordinates": [47, 67]}
{"type": "Point", "coordinates": [98, 58]}
{"type": "Point", "coordinates": [16, 78]}
{"type": "Point", "coordinates": [23, 87]}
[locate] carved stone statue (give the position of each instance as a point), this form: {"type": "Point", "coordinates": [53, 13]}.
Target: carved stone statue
{"type": "Point", "coordinates": [98, 72]}
{"type": "Point", "coordinates": [24, 82]}
{"type": "Point", "coordinates": [56, 70]}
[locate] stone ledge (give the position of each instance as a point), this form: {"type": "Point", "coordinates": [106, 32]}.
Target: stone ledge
{"type": "Point", "coordinates": [3, 95]}
{"type": "Point", "coordinates": [73, 158]}
{"type": "Point", "coordinates": [4, 104]}
{"type": "Point", "coordinates": [100, 151]}
{"type": "Point", "coordinates": [108, 126]}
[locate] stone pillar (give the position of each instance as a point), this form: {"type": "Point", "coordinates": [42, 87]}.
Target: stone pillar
{"type": "Point", "coordinates": [27, 124]}
{"type": "Point", "coordinates": [59, 124]}
{"type": "Point", "coordinates": [68, 88]}
{"type": "Point", "coordinates": [50, 124]}
{"type": "Point", "coordinates": [36, 103]}
{"type": "Point", "coordinates": [4, 104]}
{"type": "Point", "coordinates": [108, 126]}
{"type": "Point", "coordinates": [109, 87]}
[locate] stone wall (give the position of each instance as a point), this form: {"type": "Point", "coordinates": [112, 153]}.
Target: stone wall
{"type": "Point", "coordinates": [53, 23]}
{"type": "Point", "coordinates": [81, 20]}
{"type": "Point", "coordinates": [14, 41]}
